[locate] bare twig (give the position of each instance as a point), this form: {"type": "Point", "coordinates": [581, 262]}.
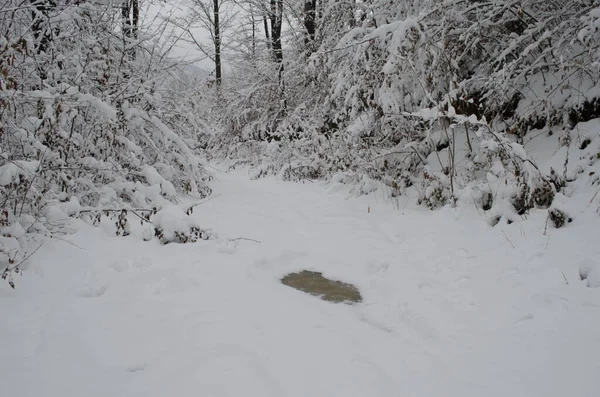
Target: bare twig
{"type": "Point", "coordinates": [141, 217]}
{"type": "Point", "coordinates": [507, 239]}
{"type": "Point", "coordinates": [9, 268]}
{"type": "Point", "coordinates": [238, 239]}
{"type": "Point", "coordinates": [475, 204]}
{"type": "Point", "coordinates": [595, 194]}
{"type": "Point", "coordinates": [114, 209]}
{"type": "Point", "coordinates": [204, 201]}
{"type": "Point", "coordinates": [132, 210]}
{"type": "Point", "coordinates": [66, 241]}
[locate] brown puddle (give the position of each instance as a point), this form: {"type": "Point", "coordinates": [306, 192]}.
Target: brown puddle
{"type": "Point", "coordinates": [329, 290]}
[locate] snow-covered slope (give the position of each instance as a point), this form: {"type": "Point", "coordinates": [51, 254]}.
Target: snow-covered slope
{"type": "Point", "coordinates": [451, 306]}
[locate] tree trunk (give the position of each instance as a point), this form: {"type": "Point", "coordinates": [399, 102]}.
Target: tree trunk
{"type": "Point", "coordinates": [130, 14]}
{"type": "Point", "coordinates": [276, 16]}
{"type": "Point", "coordinates": [351, 13]}
{"type": "Point", "coordinates": [40, 27]}
{"type": "Point", "coordinates": [217, 42]}
{"type": "Point", "coordinates": [253, 21]}
{"type": "Point", "coordinates": [126, 21]}
{"type": "Point", "coordinates": [309, 23]}
{"type": "Point", "coordinates": [43, 32]}
{"type": "Point", "coordinates": [135, 18]}
{"type": "Point", "coordinates": [267, 34]}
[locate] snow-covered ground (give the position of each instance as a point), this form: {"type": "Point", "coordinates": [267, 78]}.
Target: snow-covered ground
{"type": "Point", "coordinates": [451, 306]}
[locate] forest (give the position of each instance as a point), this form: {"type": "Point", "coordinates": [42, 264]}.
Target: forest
{"type": "Point", "coordinates": [299, 198]}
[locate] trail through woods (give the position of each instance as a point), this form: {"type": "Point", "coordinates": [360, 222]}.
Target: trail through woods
{"type": "Point", "coordinates": [451, 306]}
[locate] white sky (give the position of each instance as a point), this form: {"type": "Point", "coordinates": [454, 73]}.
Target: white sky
{"type": "Point", "coordinates": [164, 8]}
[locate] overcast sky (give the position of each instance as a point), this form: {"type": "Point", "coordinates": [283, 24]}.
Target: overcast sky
{"type": "Point", "coordinates": [165, 8]}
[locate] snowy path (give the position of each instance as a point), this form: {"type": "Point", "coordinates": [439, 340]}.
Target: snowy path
{"type": "Point", "coordinates": [450, 307]}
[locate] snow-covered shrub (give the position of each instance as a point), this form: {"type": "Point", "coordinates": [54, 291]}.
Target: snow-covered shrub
{"type": "Point", "coordinates": [173, 225]}
{"type": "Point", "coordinates": [10, 247]}
{"type": "Point", "coordinates": [559, 212]}
{"type": "Point", "coordinates": [589, 272]}
{"type": "Point", "coordinates": [435, 191]}
{"type": "Point", "coordinates": [516, 181]}
{"type": "Point", "coordinates": [93, 124]}
{"type": "Point", "coordinates": [89, 111]}
{"type": "Point", "coordinates": [435, 96]}
{"type": "Point", "coordinates": [558, 217]}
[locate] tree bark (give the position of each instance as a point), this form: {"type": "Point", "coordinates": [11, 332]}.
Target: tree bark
{"type": "Point", "coordinates": [253, 21]}
{"type": "Point", "coordinates": [267, 34]}
{"type": "Point", "coordinates": [135, 18]}
{"type": "Point", "coordinates": [309, 23]}
{"type": "Point", "coordinates": [276, 17]}
{"type": "Point", "coordinates": [217, 42]}
{"type": "Point", "coordinates": [42, 32]}
{"type": "Point", "coordinates": [130, 14]}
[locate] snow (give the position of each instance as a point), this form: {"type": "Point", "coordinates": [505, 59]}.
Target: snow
{"type": "Point", "coordinates": [104, 108]}
{"type": "Point", "coordinates": [13, 172]}
{"type": "Point", "coordinates": [10, 247]}
{"type": "Point", "coordinates": [452, 307]}
{"type": "Point", "coordinates": [154, 178]}
{"type": "Point", "coordinates": [72, 207]}
{"type": "Point", "coordinates": [398, 30]}
{"type": "Point", "coordinates": [15, 230]}
{"type": "Point", "coordinates": [518, 150]}
{"type": "Point", "coordinates": [172, 219]}
{"type": "Point", "coordinates": [360, 126]}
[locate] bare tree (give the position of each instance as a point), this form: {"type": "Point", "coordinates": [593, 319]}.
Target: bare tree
{"type": "Point", "coordinates": [130, 12]}
{"type": "Point", "coordinates": [214, 17]}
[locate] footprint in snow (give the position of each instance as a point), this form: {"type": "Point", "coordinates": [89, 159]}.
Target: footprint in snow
{"type": "Point", "coordinates": [426, 288]}
{"type": "Point", "coordinates": [462, 279]}
{"type": "Point", "coordinates": [524, 318]}
{"type": "Point", "coordinates": [92, 291]}
{"type": "Point", "coordinates": [142, 262]}
{"type": "Point", "coordinates": [377, 267]}
{"type": "Point", "coordinates": [285, 257]}
{"type": "Point", "coordinates": [135, 368]}
{"type": "Point", "coordinates": [120, 265]}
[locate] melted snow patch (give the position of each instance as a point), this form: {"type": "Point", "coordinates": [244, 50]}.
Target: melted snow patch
{"type": "Point", "coordinates": [314, 283]}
